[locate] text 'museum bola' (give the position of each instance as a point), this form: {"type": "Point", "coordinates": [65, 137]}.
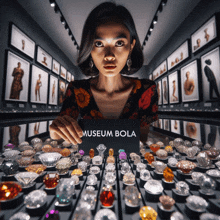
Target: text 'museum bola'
{"type": "Point", "coordinates": [110, 50]}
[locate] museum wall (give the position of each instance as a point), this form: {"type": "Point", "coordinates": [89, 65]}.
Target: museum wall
{"type": "Point", "coordinates": [200, 15]}
{"type": "Point", "coordinates": [13, 13]}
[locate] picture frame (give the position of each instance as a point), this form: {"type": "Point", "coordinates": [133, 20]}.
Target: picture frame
{"type": "Point", "coordinates": [173, 88]}
{"type": "Point", "coordinates": [179, 55]}
{"type": "Point", "coordinates": [175, 126]}
{"type": "Point", "coordinates": [189, 82]}
{"type": "Point", "coordinates": [56, 67]}
{"type": "Point", "coordinates": [159, 92]}
{"type": "Point", "coordinates": [166, 124]}
{"type": "Point", "coordinates": [14, 134]}
{"type": "Point", "coordinates": [160, 123]}
{"type": "Point", "coordinates": [17, 78]}
{"type": "Point", "coordinates": [212, 135]}
{"type": "Point", "coordinates": [53, 90]}
{"type": "Point", "coordinates": [62, 91]}
{"type": "Point", "coordinates": [160, 70]}
{"type": "Point", "coordinates": [68, 76]}
{"type": "Point", "coordinates": [63, 72]}
{"type": "Point", "coordinates": [44, 58]}
{"type": "Point", "coordinates": [210, 67]}
{"type": "Point", "coordinates": [39, 85]}
{"type": "Point", "coordinates": [37, 128]}
{"type": "Point", "coordinates": [72, 78]}
{"type": "Point", "coordinates": [165, 91]}
{"type": "Point", "coordinates": [192, 130]}
{"type": "Point", "coordinates": [22, 42]}
{"type": "Point", "coordinates": [205, 34]}
{"type": "Point", "coordinates": [151, 77]}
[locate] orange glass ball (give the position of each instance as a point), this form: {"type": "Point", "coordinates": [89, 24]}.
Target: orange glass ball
{"type": "Point", "coordinates": [77, 172]}
{"type": "Point", "coordinates": [65, 152]}
{"type": "Point", "coordinates": [168, 174]}
{"type": "Point", "coordinates": [111, 152]}
{"type": "Point", "coordinates": [51, 180]}
{"type": "Point", "coordinates": [168, 149]}
{"type": "Point", "coordinates": [9, 190]}
{"type": "Point", "coordinates": [154, 147]}
{"type": "Point", "coordinates": [47, 148]}
{"type": "Point", "coordinates": [149, 157]}
{"type": "Point", "coordinates": [91, 153]}
{"type": "Point", "coordinates": [107, 196]}
{"type": "Point", "coordinates": [110, 159]}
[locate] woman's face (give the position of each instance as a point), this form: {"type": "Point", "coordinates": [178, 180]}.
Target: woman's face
{"type": "Point", "coordinates": [111, 48]}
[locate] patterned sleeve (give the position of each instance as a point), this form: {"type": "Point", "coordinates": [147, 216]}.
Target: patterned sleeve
{"type": "Point", "coordinates": [148, 104]}
{"type": "Point", "coordinates": [70, 106]}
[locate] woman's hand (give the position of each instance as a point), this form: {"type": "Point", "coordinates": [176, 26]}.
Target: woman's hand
{"type": "Point", "coordinates": [66, 128]}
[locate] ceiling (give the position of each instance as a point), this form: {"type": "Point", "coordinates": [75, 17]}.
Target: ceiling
{"type": "Point", "coordinates": [76, 11]}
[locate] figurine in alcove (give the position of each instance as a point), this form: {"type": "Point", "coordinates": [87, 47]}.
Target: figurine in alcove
{"type": "Point", "coordinates": [175, 125]}
{"type": "Point", "coordinates": [191, 129]}
{"type": "Point", "coordinates": [174, 97]}
{"type": "Point", "coordinates": [37, 88]}
{"type": "Point", "coordinates": [44, 61]}
{"type": "Point", "coordinates": [36, 128]}
{"type": "Point", "coordinates": [206, 35]}
{"type": "Point", "coordinates": [189, 84]}
{"type": "Point", "coordinates": [53, 91]}
{"type": "Point", "coordinates": [14, 132]}
{"type": "Point", "coordinates": [158, 91]}
{"type": "Point", "coordinates": [61, 93]}
{"type": "Point", "coordinates": [165, 91]}
{"type": "Point", "coordinates": [55, 68]}
{"type": "Point", "coordinates": [181, 56]}
{"type": "Point", "coordinates": [212, 80]}
{"type": "Point", "coordinates": [198, 42]}
{"type": "Point", "coordinates": [16, 86]}
{"type": "Point", "coordinates": [23, 44]}
{"type": "Point", "coordinates": [166, 125]}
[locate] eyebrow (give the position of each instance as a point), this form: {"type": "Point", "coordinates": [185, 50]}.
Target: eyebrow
{"type": "Point", "coordinates": [122, 35]}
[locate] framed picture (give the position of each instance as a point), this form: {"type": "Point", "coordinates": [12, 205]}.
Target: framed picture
{"type": "Point", "coordinates": [211, 75]}
{"type": "Point", "coordinates": [72, 78]}
{"type": "Point", "coordinates": [49, 123]}
{"type": "Point", "coordinates": [69, 76]}
{"type": "Point", "coordinates": [173, 87]}
{"type": "Point", "coordinates": [39, 85]}
{"type": "Point", "coordinates": [160, 70]}
{"type": "Point", "coordinates": [22, 42]}
{"type": "Point", "coordinates": [150, 77]}
{"type": "Point", "coordinates": [17, 78]}
{"type": "Point", "coordinates": [53, 91]}
{"type": "Point", "coordinates": [166, 124]}
{"type": "Point", "coordinates": [160, 123]}
{"type": "Point", "coordinates": [63, 72]}
{"type": "Point", "coordinates": [212, 135]}
{"type": "Point", "coordinates": [204, 35]}
{"type": "Point", "coordinates": [14, 134]}
{"type": "Point", "coordinates": [192, 130]}
{"type": "Point", "coordinates": [37, 128]}
{"type": "Point", "coordinates": [44, 58]}
{"type": "Point", "coordinates": [175, 126]}
{"type": "Point", "coordinates": [178, 55]}
{"type": "Point", "coordinates": [62, 90]}
{"type": "Point", "coordinates": [56, 67]}
{"type": "Point", "coordinates": [189, 82]}
{"type": "Point", "coordinates": [165, 90]}
{"type": "Point", "coordinates": [159, 92]}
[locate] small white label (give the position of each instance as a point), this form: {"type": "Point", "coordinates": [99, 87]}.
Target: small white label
{"type": "Point", "coordinates": [21, 105]}
{"type": "Point", "coordinates": [9, 105]}
{"type": "Point", "coordinates": [171, 106]}
{"type": "Point", "coordinates": [207, 104]}
{"type": "Point", "coordinates": [186, 105]}
{"type": "Point", "coordinates": [49, 106]}
{"type": "Point", "coordinates": [34, 106]}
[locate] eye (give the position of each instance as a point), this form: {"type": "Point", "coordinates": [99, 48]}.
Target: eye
{"type": "Point", "coordinates": [120, 43]}
{"type": "Point", "coordinates": [98, 44]}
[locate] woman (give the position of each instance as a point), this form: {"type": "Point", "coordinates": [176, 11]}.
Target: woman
{"type": "Point", "coordinates": [109, 48]}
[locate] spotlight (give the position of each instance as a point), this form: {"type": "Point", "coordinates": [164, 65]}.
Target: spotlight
{"type": "Point", "coordinates": [56, 9]}
{"type": "Point", "coordinates": [52, 3]}
{"type": "Point", "coordinates": [72, 38]}
{"type": "Point", "coordinates": [164, 2]}
{"type": "Point", "coordinates": [146, 38]}
{"type": "Point", "coordinates": [149, 33]}
{"type": "Point", "coordinates": [62, 20]}
{"type": "Point", "coordinates": [151, 27]}
{"type": "Point", "coordinates": [155, 19]}
{"type": "Point", "coordinates": [144, 43]}
{"type": "Point", "coordinates": [75, 43]}
{"type": "Point", "coordinates": [160, 9]}
{"type": "Point", "coordinates": [70, 33]}
{"type": "Point", "coordinates": [77, 47]}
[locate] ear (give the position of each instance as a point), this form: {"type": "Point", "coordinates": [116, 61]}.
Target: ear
{"type": "Point", "coordinates": [132, 45]}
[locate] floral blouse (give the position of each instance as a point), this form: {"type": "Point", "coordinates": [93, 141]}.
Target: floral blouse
{"type": "Point", "coordinates": [141, 103]}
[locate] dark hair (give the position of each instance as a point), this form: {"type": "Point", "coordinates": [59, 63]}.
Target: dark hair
{"type": "Point", "coordinates": [103, 13]}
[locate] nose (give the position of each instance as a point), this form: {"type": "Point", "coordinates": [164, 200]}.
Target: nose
{"type": "Point", "coordinates": [109, 55]}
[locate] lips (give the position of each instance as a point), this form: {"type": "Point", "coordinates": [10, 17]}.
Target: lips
{"type": "Point", "coordinates": [109, 67]}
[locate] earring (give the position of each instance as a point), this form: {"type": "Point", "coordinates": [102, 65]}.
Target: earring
{"type": "Point", "coordinates": [129, 63]}
{"type": "Point", "coordinates": [91, 64]}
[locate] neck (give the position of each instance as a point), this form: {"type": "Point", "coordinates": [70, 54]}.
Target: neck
{"type": "Point", "coordinates": [110, 85]}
